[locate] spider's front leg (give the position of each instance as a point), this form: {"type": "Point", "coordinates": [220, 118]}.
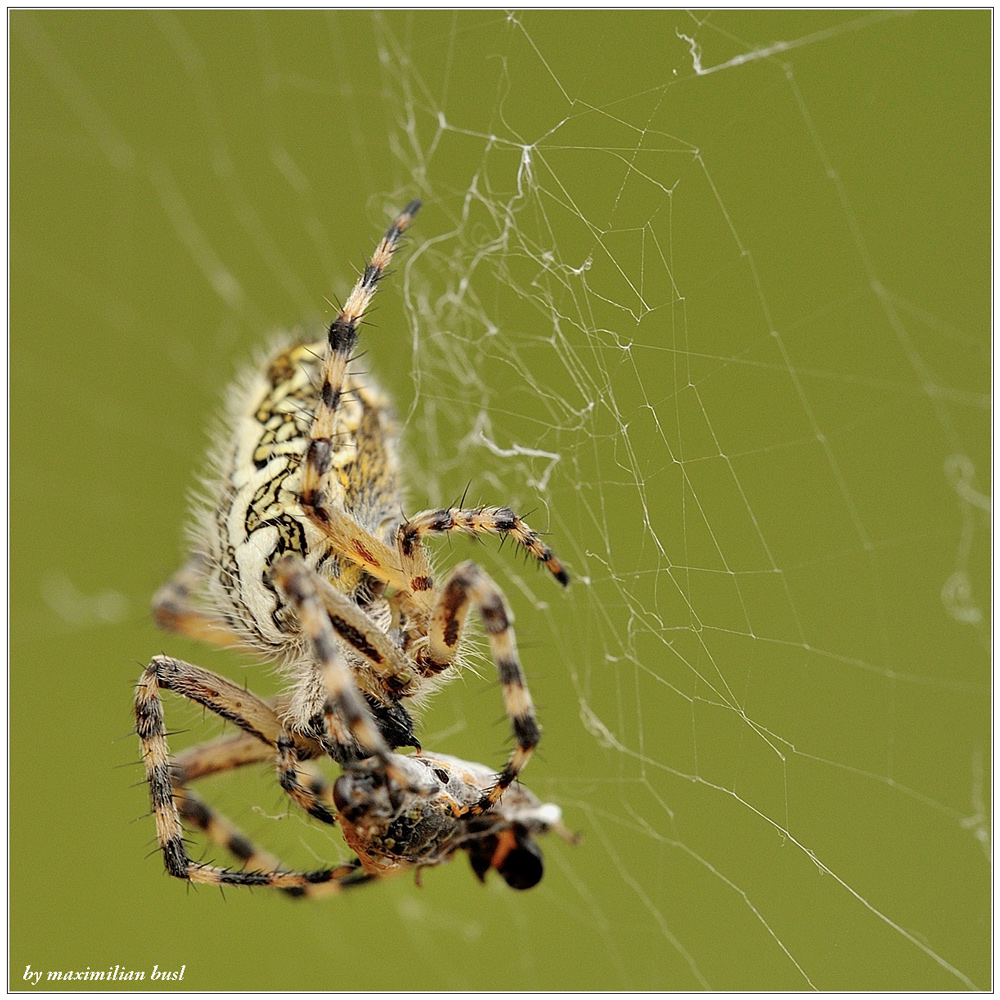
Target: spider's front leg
{"type": "Point", "coordinates": [316, 498]}
{"type": "Point", "coordinates": [254, 718]}
{"type": "Point", "coordinates": [327, 705]}
{"type": "Point", "coordinates": [469, 585]}
{"type": "Point", "coordinates": [501, 521]}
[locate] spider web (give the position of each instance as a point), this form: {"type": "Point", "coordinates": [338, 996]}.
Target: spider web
{"type": "Point", "coordinates": [694, 423]}
{"type": "Point", "coordinates": [693, 297]}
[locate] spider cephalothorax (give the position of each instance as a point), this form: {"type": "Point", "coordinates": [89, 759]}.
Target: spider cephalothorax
{"type": "Point", "coordinates": [301, 553]}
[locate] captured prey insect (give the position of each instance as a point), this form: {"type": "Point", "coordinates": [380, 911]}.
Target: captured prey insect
{"type": "Point", "coordinates": [300, 553]}
{"type": "Point", "coordinates": [397, 812]}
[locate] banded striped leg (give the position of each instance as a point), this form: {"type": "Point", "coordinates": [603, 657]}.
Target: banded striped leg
{"type": "Point", "coordinates": [173, 610]}
{"type": "Point", "coordinates": [389, 676]}
{"type": "Point", "coordinates": [257, 720]}
{"type": "Point", "coordinates": [500, 521]}
{"type": "Point", "coordinates": [196, 812]}
{"type": "Point", "coordinates": [220, 830]}
{"type": "Point", "coordinates": [340, 719]}
{"type": "Point", "coordinates": [342, 338]}
{"type": "Point", "coordinates": [468, 585]}
{"type": "Point", "coordinates": [385, 660]}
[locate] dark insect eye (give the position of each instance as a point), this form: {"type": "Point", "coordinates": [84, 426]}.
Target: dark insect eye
{"type": "Point", "coordinates": [523, 867]}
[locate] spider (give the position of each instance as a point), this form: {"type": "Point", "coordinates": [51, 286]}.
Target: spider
{"type": "Point", "coordinates": [300, 553]}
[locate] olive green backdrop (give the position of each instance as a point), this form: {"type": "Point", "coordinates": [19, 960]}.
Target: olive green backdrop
{"type": "Point", "coordinates": [709, 299]}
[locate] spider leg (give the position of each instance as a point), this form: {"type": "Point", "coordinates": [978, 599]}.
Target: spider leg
{"type": "Point", "coordinates": [500, 521]}
{"type": "Point", "coordinates": [194, 811]}
{"type": "Point", "coordinates": [174, 611]}
{"type": "Point", "coordinates": [352, 541]}
{"type": "Point", "coordinates": [240, 749]}
{"type": "Point", "coordinates": [258, 722]}
{"type": "Point", "coordinates": [341, 340]}
{"type": "Point", "coordinates": [260, 866]}
{"type": "Point", "coordinates": [329, 692]}
{"type": "Point", "coordinates": [227, 700]}
{"type": "Point", "coordinates": [220, 830]}
{"type": "Point", "coordinates": [216, 756]}
{"type": "Point", "coordinates": [469, 585]}
{"type": "Point", "coordinates": [340, 719]}
{"type": "Point", "coordinates": [384, 658]}
{"type": "Point", "coordinates": [302, 794]}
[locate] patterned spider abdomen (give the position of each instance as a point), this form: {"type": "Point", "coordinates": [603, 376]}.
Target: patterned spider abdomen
{"type": "Point", "coordinates": [260, 516]}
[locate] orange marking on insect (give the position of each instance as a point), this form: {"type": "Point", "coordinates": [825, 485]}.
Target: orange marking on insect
{"type": "Point", "coordinates": [421, 583]}
{"type": "Point", "coordinates": [506, 842]}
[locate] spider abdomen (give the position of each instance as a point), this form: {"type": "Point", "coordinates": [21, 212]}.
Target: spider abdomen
{"type": "Point", "coordinates": [259, 514]}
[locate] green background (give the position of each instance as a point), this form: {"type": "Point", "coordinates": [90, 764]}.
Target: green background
{"type": "Point", "coordinates": [724, 333]}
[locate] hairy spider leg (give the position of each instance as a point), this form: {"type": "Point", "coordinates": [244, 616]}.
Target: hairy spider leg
{"type": "Point", "coordinates": [173, 610]}
{"type": "Point", "coordinates": [469, 585]}
{"type": "Point", "coordinates": [500, 521]}
{"type": "Point", "coordinates": [341, 340]}
{"type": "Point", "coordinates": [258, 721]}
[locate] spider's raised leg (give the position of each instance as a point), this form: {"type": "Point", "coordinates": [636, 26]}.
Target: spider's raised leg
{"type": "Point", "coordinates": [500, 521]}
{"type": "Point", "coordinates": [342, 337]}
{"type": "Point", "coordinates": [469, 585]}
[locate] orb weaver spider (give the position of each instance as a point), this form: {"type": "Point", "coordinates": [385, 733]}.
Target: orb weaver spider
{"type": "Point", "coordinates": [300, 553]}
